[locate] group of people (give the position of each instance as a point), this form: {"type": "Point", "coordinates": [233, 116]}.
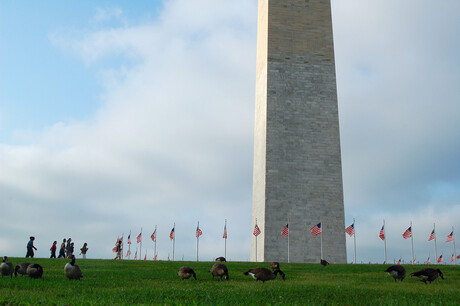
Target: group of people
{"type": "Point", "coordinates": [66, 250]}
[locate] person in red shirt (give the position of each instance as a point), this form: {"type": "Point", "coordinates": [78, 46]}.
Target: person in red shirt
{"type": "Point", "coordinates": [53, 250]}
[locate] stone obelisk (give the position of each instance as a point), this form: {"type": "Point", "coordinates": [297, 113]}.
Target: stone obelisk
{"type": "Point", "coordinates": [297, 160]}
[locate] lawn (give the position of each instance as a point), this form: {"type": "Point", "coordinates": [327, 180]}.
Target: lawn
{"type": "Point", "coordinates": [148, 282]}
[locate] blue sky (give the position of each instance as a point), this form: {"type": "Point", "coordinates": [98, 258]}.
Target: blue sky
{"type": "Point", "coordinates": [116, 116]}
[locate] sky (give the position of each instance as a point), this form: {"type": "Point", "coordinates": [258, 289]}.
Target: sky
{"type": "Point", "coordinates": [117, 117]}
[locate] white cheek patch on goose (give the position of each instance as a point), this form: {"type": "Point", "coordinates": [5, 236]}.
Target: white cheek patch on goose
{"type": "Point", "coordinates": [253, 275]}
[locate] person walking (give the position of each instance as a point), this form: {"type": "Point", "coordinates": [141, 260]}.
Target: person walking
{"type": "Point", "coordinates": [30, 247]}
{"type": "Point", "coordinates": [67, 248]}
{"type": "Point", "coordinates": [53, 249]}
{"type": "Point", "coordinates": [62, 249]}
{"type": "Point", "coordinates": [118, 250]}
{"type": "Point", "coordinates": [71, 249]}
{"type": "Point", "coordinates": [83, 250]}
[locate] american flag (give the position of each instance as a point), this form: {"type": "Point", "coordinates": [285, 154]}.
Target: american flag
{"type": "Point", "coordinates": [114, 249]}
{"type": "Point", "coordinates": [440, 259]}
{"type": "Point", "coordinates": [350, 230]}
{"type": "Point", "coordinates": [382, 233]}
{"type": "Point", "coordinates": [128, 253]}
{"type": "Point", "coordinates": [452, 258]}
{"type": "Point", "coordinates": [139, 238]}
{"type": "Point", "coordinates": [171, 235]}
{"type": "Point", "coordinates": [407, 233]}
{"type": "Point", "coordinates": [285, 231]}
{"type": "Point", "coordinates": [428, 261]}
{"type": "Point", "coordinates": [414, 262]}
{"type": "Point", "coordinates": [450, 237]}
{"type": "Point", "coordinates": [153, 236]}
{"type": "Point", "coordinates": [256, 231]}
{"type": "Point", "coordinates": [198, 232]}
{"type": "Point", "coordinates": [431, 236]}
{"type": "Point", "coordinates": [399, 261]}
{"type": "Point", "coordinates": [225, 232]}
{"type": "Point", "coordinates": [145, 257]}
{"type": "Point", "coordinates": [129, 239]}
{"type": "Point", "coordinates": [316, 230]}
{"type": "Point", "coordinates": [155, 258]}
{"type": "Point", "coordinates": [458, 256]}
{"type": "Point", "coordinates": [135, 255]}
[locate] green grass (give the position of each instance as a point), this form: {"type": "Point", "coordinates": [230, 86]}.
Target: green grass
{"type": "Point", "coordinates": [148, 282]}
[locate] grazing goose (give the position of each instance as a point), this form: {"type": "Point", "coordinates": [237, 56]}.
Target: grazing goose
{"type": "Point", "coordinates": [263, 274]}
{"type": "Point", "coordinates": [221, 259]}
{"type": "Point", "coordinates": [21, 269]}
{"type": "Point", "coordinates": [397, 271]}
{"type": "Point", "coordinates": [186, 273]}
{"type": "Point", "coordinates": [428, 275]}
{"type": "Point", "coordinates": [35, 271]}
{"type": "Point", "coordinates": [219, 269]}
{"type": "Point", "coordinates": [275, 265]}
{"type": "Point", "coordinates": [324, 262]}
{"type": "Point", "coordinates": [71, 270]}
{"type": "Point", "coordinates": [6, 267]}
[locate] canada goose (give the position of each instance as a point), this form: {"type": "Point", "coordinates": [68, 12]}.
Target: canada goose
{"type": "Point", "coordinates": [428, 275]}
{"type": "Point", "coordinates": [264, 274]}
{"type": "Point", "coordinates": [221, 259]}
{"type": "Point", "coordinates": [186, 273]}
{"type": "Point", "coordinates": [397, 271]}
{"type": "Point", "coordinates": [6, 267]}
{"type": "Point", "coordinates": [219, 269]}
{"type": "Point", "coordinates": [324, 262]}
{"type": "Point", "coordinates": [21, 269]}
{"type": "Point", "coordinates": [275, 265]}
{"type": "Point", "coordinates": [71, 270]}
{"type": "Point", "coordinates": [35, 271]}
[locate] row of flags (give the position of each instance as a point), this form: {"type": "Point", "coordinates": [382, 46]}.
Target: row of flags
{"type": "Point", "coordinates": [408, 234]}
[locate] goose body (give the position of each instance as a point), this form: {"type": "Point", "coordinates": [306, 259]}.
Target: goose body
{"type": "Point", "coordinates": [186, 273]}
{"type": "Point", "coordinates": [219, 269]}
{"type": "Point", "coordinates": [35, 271]}
{"type": "Point", "coordinates": [6, 268]}
{"type": "Point", "coordinates": [324, 262]}
{"type": "Point", "coordinates": [264, 274]}
{"type": "Point", "coordinates": [21, 268]}
{"type": "Point", "coordinates": [397, 272]}
{"type": "Point", "coordinates": [428, 275]}
{"type": "Point", "coordinates": [71, 270]}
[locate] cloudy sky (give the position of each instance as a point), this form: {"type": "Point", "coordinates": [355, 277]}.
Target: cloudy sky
{"type": "Point", "coordinates": [117, 116]}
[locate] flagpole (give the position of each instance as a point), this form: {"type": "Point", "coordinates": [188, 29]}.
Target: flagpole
{"type": "Point", "coordinates": [197, 240]}
{"type": "Point", "coordinates": [155, 244]}
{"type": "Point", "coordinates": [225, 242]}
{"type": "Point", "coordinates": [122, 235]}
{"type": "Point", "coordinates": [174, 239]}
{"type": "Point", "coordinates": [412, 241]}
{"type": "Point", "coordinates": [288, 238]}
{"type": "Point", "coordinates": [354, 238]}
{"type": "Point", "coordinates": [256, 242]}
{"type": "Point", "coordinates": [140, 249]}
{"type": "Point", "coordinates": [455, 254]}
{"type": "Point", "coordinates": [320, 222]}
{"type": "Point", "coordinates": [435, 248]}
{"type": "Point", "coordinates": [385, 240]}
{"type": "Point", "coordinates": [129, 246]}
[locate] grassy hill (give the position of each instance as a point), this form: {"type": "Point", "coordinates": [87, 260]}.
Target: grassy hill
{"type": "Point", "coordinates": [148, 282]}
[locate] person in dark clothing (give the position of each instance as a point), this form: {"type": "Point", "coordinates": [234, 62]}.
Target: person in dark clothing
{"type": "Point", "coordinates": [71, 250]}
{"type": "Point", "coordinates": [62, 249]}
{"type": "Point", "coordinates": [67, 248]}
{"type": "Point", "coordinates": [53, 250]}
{"type": "Point", "coordinates": [30, 247]}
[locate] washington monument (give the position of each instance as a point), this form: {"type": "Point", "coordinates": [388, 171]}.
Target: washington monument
{"type": "Point", "coordinates": [297, 161]}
